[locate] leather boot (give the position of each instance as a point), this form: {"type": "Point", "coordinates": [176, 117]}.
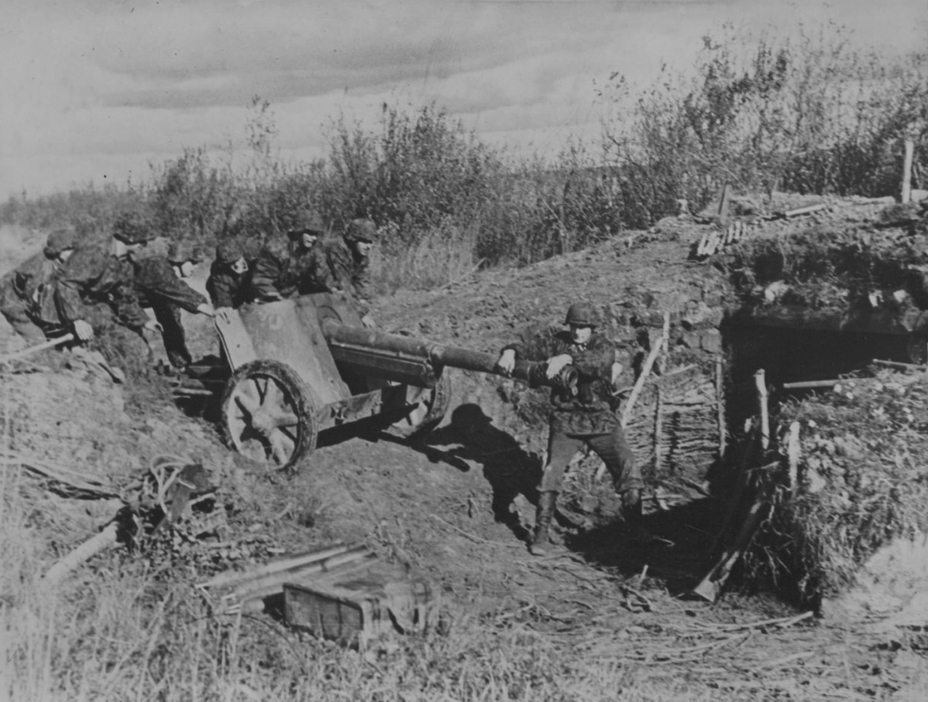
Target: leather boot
{"type": "Point", "coordinates": [634, 518]}
{"type": "Point", "coordinates": [542, 537]}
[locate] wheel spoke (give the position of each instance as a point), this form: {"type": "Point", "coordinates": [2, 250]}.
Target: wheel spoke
{"type": "Point", "coordinates": [246, 404]}
{"type": "Point", "coordinates": [289, 430]}
{"type": "Point", "coordinates": [279, 449]}
{"type": "Point", "coordinates": [262, 391]}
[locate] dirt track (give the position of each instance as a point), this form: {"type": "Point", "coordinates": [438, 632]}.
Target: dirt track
{"type": "Point", "coordinates": [457, 506]}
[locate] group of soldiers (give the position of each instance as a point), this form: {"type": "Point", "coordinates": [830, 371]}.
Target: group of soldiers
{"type": "Point", "coordinates": [83, 288]}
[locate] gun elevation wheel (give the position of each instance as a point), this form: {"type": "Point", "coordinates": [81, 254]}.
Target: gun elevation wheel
{"type": "Point", "coordinates": [429, 406]}
{"type": "Point", "coordinates": [267, 414]}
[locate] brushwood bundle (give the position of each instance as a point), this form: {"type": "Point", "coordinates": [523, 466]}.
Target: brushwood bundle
{"type": "Point", "coordinates": [859, 484]}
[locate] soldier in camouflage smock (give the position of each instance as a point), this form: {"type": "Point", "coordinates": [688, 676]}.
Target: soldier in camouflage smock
{"type": "Point", "coordinates": [95, 287]}
{"type": "Point", "coordinates": [27, 292]}
{"type": "Point", "coordinates": [160, 285]}
{"type": "Point", "coordinates": [347, 264]}
{"type": "Point", "coordinates": [289, 265]}
{"type": "Point", "coordinates": [27, 297]}
{"type": "Point", "coordinates": [586, 418]}
{"type": "Point", "coordinates": [229, 281]}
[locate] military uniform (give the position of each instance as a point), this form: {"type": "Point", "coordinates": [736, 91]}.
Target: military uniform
{"type": "Point", "coordinates": [285, 269]}
{"type": "Point", "coordinates": [26, 298]}
{"type": "Point", "coordinates": [586, 418]}
{"type": "Point", "coordinates": [159, 288]}
{"type": "Point", "coordinates": [346, 271]}
{"type": "Point", "coordinates": [95, 286]}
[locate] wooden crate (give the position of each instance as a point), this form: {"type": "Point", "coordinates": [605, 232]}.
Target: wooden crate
{"type": "Point", "coordinates": [360, 602]}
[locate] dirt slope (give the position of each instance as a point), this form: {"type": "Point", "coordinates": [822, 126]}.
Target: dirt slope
{"type": "Point", "coordinates": [457, 506]}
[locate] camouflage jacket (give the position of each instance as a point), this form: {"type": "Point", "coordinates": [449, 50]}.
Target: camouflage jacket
{"type": "Point", "coordinates": [285, 268]}
{"type": "Point", "coordinates": [94, 275]}
{"type": "Point", "coordinates": [30, 288]}
{"type": "Point", "coordinates": [590, 411]}
{"type": "Point", "coordinates": [156, 281]}
{"type": "Point", "coordinates": [346, 271]}
{"type": "Point", "coordinates": [225, 288]}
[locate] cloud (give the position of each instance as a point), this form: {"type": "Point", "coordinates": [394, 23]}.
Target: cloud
{"type": "Point", "coordinates": [112, 85]}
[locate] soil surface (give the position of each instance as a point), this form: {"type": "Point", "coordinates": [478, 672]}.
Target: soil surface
{"type": "Point", "coordinates": [457, 507]}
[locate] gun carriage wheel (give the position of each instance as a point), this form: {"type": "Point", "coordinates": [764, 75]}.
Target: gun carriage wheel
{"type": "Point", "coordinates": [267, 414]}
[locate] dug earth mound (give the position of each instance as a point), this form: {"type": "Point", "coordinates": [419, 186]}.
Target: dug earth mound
{"type": "Point", "coordinates": [458, 504]}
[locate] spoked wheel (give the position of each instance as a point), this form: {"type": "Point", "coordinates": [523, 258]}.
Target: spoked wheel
{"type": "Point", "coordinates": [429, 406]}
{"type": "Point", "coordinates": [268, 415]}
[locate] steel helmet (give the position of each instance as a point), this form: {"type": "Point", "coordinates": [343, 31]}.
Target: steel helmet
{"type": "Point", "coordinates": [361, 230]}
{"type": "Point", "coordinates": [60, 240]}
{"type": "Point", "coordinates": [182, 251]}
{"type": "Point", "coordinates": [229, 251]}
{"type": "Point", "coordinates": [582, 314]}
{"type": "Point", "coordinates": [131, 227]}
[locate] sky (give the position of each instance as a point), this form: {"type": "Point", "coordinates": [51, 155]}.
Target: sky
{"type": "Point", "coordinates": [94, 91]}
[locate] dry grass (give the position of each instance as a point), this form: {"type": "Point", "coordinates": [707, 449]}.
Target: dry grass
{"type": "Point", "coordinates": [861, 484]}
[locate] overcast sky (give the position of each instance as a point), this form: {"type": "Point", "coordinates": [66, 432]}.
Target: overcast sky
{"type": "Point", "coordinates": [95, 90]}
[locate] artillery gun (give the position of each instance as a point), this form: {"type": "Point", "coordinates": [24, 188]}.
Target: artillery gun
{"type": "Point", "coordinates": [303, 365]}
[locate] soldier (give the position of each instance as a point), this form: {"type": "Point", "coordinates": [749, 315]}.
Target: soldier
{"type": "Point", "coordinates": [228, 282]}
{"type": "Point", "coordinates": [95, 286]}
{"type": "Point", "coordinates": [289, 265]}
{"type": "Point", "coordinates": [586, 418]}
{"type": "Point", "coordinates": [347, 263]}
{"type": "Point", "coordinates": [160, 285]}
{"type": "Point", "coordinates": [26, 293]}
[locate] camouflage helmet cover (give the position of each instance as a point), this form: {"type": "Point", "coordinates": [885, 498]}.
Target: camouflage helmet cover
{"type": "Point", "coordinates": [229, 251]}
{"type": "Point", "coordinates": [182, 251]}
{"type": "Point", "coordinates": [60, 240]}
{"type": "Point", "coordinates": [361, 230]}
{"type": "Point", "coordinates": [582, 314]}
{"type": "Point", "coordinates": [307, 221]}
{"type": "Point", "coordinates": [131, 227]}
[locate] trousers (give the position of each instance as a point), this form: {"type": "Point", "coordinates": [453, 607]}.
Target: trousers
{"type": "Point", "coordinates": [610, 446]}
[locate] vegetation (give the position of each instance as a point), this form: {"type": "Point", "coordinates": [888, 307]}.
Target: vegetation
{"type": "Point", "coordinates": [806, 114]}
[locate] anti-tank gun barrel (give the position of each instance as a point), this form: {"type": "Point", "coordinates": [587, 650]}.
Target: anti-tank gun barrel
{"type": "Point", "coordinates": [407, 359]}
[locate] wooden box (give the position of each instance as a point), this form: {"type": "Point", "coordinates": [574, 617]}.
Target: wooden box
{"type": "Point", "coordinates": [360, 602]}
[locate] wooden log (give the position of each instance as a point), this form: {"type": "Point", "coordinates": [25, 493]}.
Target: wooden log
{"type": "Point", "coordinates": [235, 578]}
{"type": "Point", "coordinates": [809, 384]}
{"type": "Point", "coordinates": [898, 364]}
{"type": "Point", "coordinates": [645, 371]}
{"type": "Point", "coordinates": [83, 553]}
{"type": "Point", "coordinates": [22, 353]}
{"type": "Point", "coordinates": [763, 413]}
{"type": "Point", "coordinates": [906, 190]}
{"type": "Point", "coordinates": [273, 582]}
{"type": "Point", "coordinates": [720, 406]}
{"type": "Point", "coordinates": [793, 451]}
{"type": "Point", "coordinates": [810, 209]}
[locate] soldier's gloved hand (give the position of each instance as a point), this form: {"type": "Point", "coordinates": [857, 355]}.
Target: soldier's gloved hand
{"type": "Point", "coordinates": [224, 315]}
{"type": "Point", "coordinates": [368, 321]}
{"type": "Point", "coordinates": [506, 362]}
{"type": "Point", "coordinates": [152, 325]}
{"type": "Point", "coordinates": [206, 309]}
{"type": "Point", "coordinates": [557, 363]}
{"type": "Point", "coordinates": [82, 330]}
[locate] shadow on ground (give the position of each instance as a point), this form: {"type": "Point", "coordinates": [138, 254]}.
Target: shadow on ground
{"type": "Point", "coordinates": [680, 558]}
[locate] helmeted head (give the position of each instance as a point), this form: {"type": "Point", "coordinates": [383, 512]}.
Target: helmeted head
{"type": "Point", "coordinates": [308, 226]}
{"type": "Point", "coordinates": [131, 231]}
{"type": "Point", "coordinates": [60, 241]}
{"type": "Point", "coordinates": [231, 253]}
{"type": "Point", "coordinates": [186, 256]}
{"type": "Point", "coordinates": [583, 319]}
{"type": "Point", "coordinates": [361, 234]}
